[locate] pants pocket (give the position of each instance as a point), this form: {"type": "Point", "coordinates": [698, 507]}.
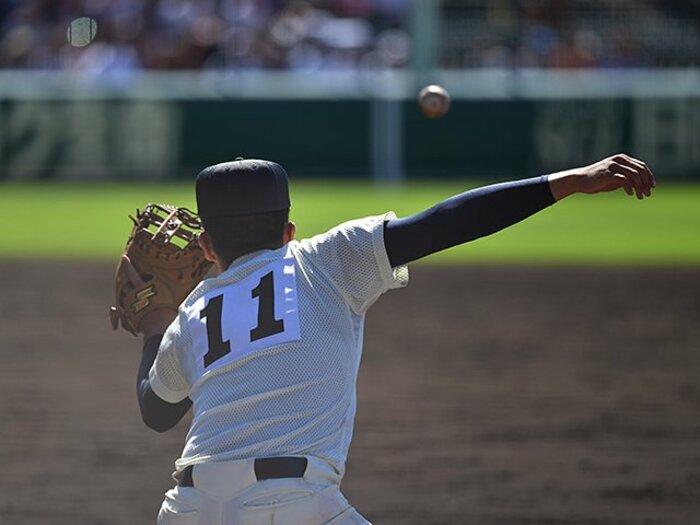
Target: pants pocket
{"type": "Point", "coordinates": [177, 510]}
{"type": "Point", "coordinates": [277, 498]}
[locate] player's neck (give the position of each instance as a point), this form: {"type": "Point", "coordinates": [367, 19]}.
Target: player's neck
{"type": "Point", "coordinates": [237, 258]}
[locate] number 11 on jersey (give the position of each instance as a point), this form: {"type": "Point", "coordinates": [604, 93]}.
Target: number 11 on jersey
{"type": "Point", "coordinates": [247, 316]}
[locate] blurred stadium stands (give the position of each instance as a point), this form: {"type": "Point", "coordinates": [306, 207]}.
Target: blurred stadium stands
{"type": "Point", "coordinates": [349, 34]}
{"type": "Point", "coordinates": [571, 33]}
{"type": "Point", "coordinates": [328, 86]}
{"type": "Point", "coordinates": [196, 34]}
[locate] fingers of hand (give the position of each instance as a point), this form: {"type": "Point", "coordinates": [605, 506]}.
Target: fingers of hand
{"type": "Point", "coordinates": [636, 171]}
{"type": "Point", "coordinates": [644, 169]}
{"type": "Point", "coordinates": [622, 182]}
{"type": "Point", "coordinates": [131, 272]}
{"type": "Point", "coordinates": [632, 177]}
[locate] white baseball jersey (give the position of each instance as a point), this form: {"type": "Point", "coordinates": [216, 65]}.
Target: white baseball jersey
{"type": "Point", "coordinates": [269, 350]}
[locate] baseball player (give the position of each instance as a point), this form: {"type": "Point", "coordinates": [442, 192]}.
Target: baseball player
{"type": "Point", "coordinates": [267, 351]}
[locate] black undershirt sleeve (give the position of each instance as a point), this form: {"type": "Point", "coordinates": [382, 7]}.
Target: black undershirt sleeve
{"type": "Point", "coordinates": [465, 217]}
{"type": "Point", "coordinates": [156, 413]}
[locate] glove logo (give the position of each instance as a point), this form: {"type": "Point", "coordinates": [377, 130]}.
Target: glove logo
{"type": "Point", "coordinates": [144, 299]}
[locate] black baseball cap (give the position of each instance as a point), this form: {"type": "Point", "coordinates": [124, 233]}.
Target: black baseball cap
{"type": "Point", "coordinates": [241, 187]}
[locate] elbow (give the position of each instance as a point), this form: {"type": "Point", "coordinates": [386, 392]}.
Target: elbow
{"type": "Point", "coordinates": [157, 424]}
{"type": "Point", "coordinates": [157, 414]}
{"type": "Point", "coordinates": [152, 413]}
{"type": "Point", "coordinates": [153, 416]}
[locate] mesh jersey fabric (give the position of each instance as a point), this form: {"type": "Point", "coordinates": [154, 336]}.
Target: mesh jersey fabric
{"type": "Point", "coordinates": [293, 393]}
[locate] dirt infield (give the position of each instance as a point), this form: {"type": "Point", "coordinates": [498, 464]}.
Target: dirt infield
{"type": "Point", "coordinates": [486, 396]}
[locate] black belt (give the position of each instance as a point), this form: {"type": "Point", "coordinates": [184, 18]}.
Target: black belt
{"type": "Point", "coordinates": [265, 468]}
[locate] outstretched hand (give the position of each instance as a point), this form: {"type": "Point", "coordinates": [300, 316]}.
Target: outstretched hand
{"type": "Point", "coordinates": [609, 174]}
{"type": "Point", "coordinates": [157, 321]}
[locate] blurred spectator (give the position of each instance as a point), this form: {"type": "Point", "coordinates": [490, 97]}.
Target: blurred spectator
{"type": "Point", "coordinates": [347, 34]}
{"type": "Point", "coordinates": [571, 33]}
{"type": "Point", "coordinates": [194, 34]}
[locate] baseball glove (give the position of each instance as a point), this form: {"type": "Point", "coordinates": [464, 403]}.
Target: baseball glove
{"type": "Point", "coordinates": [163, 249]}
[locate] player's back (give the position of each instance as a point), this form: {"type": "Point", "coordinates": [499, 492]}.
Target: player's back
{"type": "Point", "coordinates": [269, 349]}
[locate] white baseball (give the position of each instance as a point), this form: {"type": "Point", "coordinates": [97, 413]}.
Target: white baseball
{"type": "Point", "coordinates": [434, 101]}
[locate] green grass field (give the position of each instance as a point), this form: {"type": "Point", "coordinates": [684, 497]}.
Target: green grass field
{"type": "Point", "coordinates": [89, 221]}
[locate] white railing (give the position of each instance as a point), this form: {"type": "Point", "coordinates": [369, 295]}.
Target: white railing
{"type": "Point", "coordinates": [466, 84]}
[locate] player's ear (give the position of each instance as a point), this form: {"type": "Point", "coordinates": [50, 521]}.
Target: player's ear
{"type": "Point", "coordinates": [289, 231]}
{"type": "Point", "coordinates": [207, 247]}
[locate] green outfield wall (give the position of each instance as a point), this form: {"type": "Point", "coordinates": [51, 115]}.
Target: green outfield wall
{"type": "Point", "coordinates": [117, 135]}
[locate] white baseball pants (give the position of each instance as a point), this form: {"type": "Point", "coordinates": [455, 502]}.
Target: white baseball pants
{"type": "Point", "coordinates": [228, 493]}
